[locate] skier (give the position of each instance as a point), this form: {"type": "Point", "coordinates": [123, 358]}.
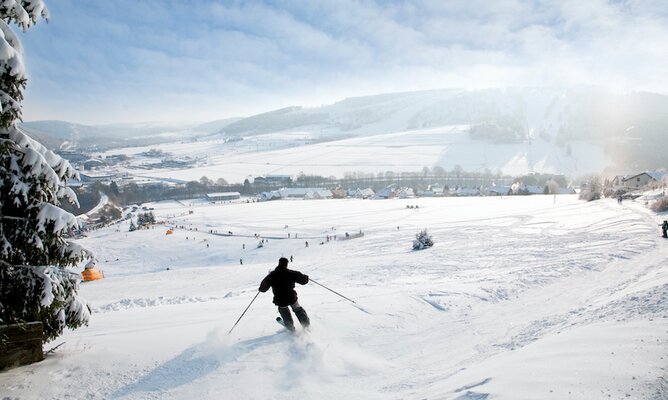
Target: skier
{"type": "Point", "coordinates": [282, 282]}
{"type": "Point", "coordinates": [664, 228]}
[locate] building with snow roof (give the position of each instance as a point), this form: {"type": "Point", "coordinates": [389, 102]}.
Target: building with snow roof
{"type": "Point", "coordinates": [643, 179]}
{"type": "Point", "coordinates": [467, 192]}
{"type": "Point", "coordinates": [405, 193]}
{"type": "Point", "coordinates": [272, 180]}
{"type": "Point", "coordinates": [499, 190]}
{"type": "Point", "coordinates": [271, 195]}
{"type": "Point", "coordinates": [297, 193]}
{"type": "Point", "coordinates": [318, 195]}
{"type": "Point", "coordinates": [432, 190]}
{"type": "Point", "coordinates": [361, 193]}
{"type": "Point", "coordinates": [223, 196]}
{"type": "Point", "coordinates": [323, 194]}
{"type": "Point", "coordinates": [339, 193]}
{"type": "Point", "coordinates": [93, 163]}
{"type": "Point", "coordinates": [90, 178]}
{"type": "Point", "coordinates": [388, 192]}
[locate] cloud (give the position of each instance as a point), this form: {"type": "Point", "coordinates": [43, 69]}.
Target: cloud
{"type": "Point", "coordinates": [101, 61]}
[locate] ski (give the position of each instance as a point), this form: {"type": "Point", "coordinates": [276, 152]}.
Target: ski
{"type": "Point", "coordinates": [282, 323]}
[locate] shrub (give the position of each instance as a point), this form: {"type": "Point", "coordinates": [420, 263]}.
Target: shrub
{"type": "Point", "coordinates": [660, 205]}
{"type": "Point", "coordinates": [422, 240]}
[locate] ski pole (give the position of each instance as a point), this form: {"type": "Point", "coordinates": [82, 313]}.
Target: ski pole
{"type": "Point", "coordinates": [242, 314]}
{"type": "Point", "coordinates": [337, 293]}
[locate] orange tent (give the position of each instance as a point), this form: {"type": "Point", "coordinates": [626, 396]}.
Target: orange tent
{"type": "Point", "coordinates": [91, 274]}
{"type": "Point", "coordinates": [169, 232]}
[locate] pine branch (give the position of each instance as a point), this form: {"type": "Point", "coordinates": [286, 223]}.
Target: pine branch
{"type": "Point", "coordinates": [14, 218]}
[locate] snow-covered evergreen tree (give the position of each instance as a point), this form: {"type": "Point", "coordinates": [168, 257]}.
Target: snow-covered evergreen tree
{"type": "Point", "coordinates": [422, 240]}
{"type": "Point", "coordinates": [145, 218]}
{"type": "Point", "coordinates": [35, 284]}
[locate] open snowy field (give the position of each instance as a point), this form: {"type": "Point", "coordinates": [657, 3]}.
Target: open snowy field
{"type": "Point", "coordinates": [537, 297]}
{"type": "Point", "coordinates": [407, 151]}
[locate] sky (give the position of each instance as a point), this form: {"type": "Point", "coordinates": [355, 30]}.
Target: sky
{"type": "Point", "coordinates": [100, 61]}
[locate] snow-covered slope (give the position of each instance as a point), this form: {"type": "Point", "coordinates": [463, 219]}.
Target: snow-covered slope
{"type": "Point", "coordinates": [598, 128]}
{"type": "Point", "coordinates": [79, 137]}
{"type": "Point", "coordinates": [537, 297]}
{"type": "Point", "coordinates": [398, 152]}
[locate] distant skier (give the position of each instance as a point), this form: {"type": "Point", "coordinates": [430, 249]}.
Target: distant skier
{"type": "Point", "coordinates": [664, 228]}
{"type": "Point", "coordinates": [282, 282]}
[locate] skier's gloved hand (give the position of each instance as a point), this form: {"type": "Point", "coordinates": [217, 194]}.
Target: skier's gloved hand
{"type": "Point", "coordinates": [306, 279]}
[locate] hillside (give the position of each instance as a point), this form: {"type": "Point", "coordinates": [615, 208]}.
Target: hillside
{"type": "Point", "coordinates": [292, 153]}
{"type": "Point", "coordinates": [79, 137]}
{"type": "Point", "coordinates": [628, 127]}
{"type": "Point", "coordinates": [534, 129]}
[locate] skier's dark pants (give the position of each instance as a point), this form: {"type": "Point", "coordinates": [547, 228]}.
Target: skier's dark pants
{"type": "Point", "coordinates": [299, 312]}
{"type": "Point", "coordinates": [665, 233]}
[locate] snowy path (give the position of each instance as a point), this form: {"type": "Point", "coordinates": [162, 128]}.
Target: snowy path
{"type": "Point", "coordinates": [520, 298]}
{"type": "Point", "coordinates": [104, 199]}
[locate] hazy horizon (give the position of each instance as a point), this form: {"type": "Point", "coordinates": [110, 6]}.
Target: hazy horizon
{"type": "Point", "coordinates": [185, 122]}
{"type": "Point", "coordinates": [100, 63]}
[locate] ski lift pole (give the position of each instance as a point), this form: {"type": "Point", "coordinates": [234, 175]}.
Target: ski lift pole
{"type": "Point", "coordinates": [242, 314]}
{"type": "Point", "coordinates": [336, 293]}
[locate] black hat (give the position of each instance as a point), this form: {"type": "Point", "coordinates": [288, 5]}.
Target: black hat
{"type": "Point", "coordinates": [283, 262]}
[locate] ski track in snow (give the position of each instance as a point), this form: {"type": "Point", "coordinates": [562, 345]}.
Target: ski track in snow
{"type": "Point", "coordinates": [505, 278]}
{"type": "Point", "coordinates": [151, 302]}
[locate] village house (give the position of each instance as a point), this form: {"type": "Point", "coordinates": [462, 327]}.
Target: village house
{"type": "Point", "coordinates": [467, 192]}
{"type": "Point", "coordinates": [339, 193]}
{"type": "Point", "coordinates": [361, 193]}
{"type": "Point", "coordinates": [432, 190]}
{"type": "Point", "coordinates": [499, 190]}
{"type": "Point", "coordinates": [388, 192]}
{"type": "Point", "coordinates": [405, 193]}
{"type": "Point", "coordinates": [318, 194]}
{"type": "Point", "coordinates": [639, 181]}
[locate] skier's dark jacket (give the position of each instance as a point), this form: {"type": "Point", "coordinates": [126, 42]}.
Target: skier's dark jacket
{"type": "Point", "coordinates": [282, 282]}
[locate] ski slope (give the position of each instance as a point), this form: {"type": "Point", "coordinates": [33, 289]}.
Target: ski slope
{"type": "Point", "coordinates": [287, 153]}
{"type": "Point", "coordinates": [537, 297]}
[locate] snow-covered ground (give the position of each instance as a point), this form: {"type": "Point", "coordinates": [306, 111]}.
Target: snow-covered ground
{"type": "Point", "coordinates": [286, 153]}
{"type": "Point", "coordinates": [537, 297]}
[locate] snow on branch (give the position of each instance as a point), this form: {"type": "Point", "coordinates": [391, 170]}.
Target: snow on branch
{"type": "Point", "coordinates": [63, 220]}
{"type": "Point", "coordinates": [60, 166]}
{"type": "Point", "coordinates": [11, 52]}
{"type": "Point", "coordinates": [10, 38]}
{"type": "Point", "coordinates": [24, 13]}
{"type": "Point", "coordinates": [77, 251]}
{"type": "Point", "coordinates": [9, 101]}
{"type": "Point", "coordinates": [59, 286]}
